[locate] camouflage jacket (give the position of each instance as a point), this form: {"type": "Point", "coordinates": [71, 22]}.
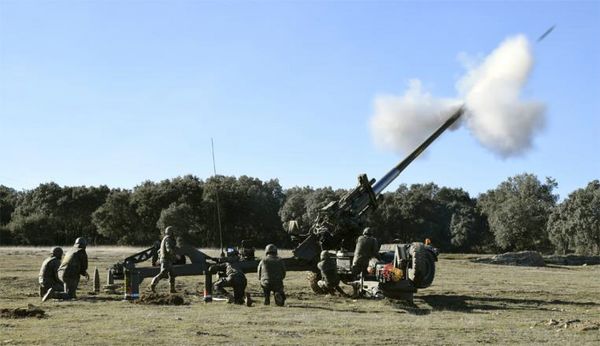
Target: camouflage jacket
{"type": "Point", "coordinates": [271, 270]}
{"type": "Point", "coordinates": [229, 269]}
{"type": "Point", "coordinates": [74, 263]}
{"type": "Point", "coordinates": [168, 248]}
{"type": "Point", "coordinates": [366, 248]}
{"type": "Point", "coordinates": [328, 268]}
{"type": "Point", "coordinates": [49, 272]}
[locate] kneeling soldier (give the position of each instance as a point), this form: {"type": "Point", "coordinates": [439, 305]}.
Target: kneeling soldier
{"type": "Point", "coordinates": [50, 284]}
{"type": "Point", "coordinates": [271, 272]}
{"type": "Point", "coordinates": [330, 281]}
{"type": "Point", "coordinates": [234, 278]}
{"type": "Point", "coordinates": [73, 266]}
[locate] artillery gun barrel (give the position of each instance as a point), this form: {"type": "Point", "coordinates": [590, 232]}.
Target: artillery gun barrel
{"type": "Point", "coordinates": [387, 179]}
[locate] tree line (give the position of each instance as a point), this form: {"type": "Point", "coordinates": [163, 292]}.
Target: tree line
{"type": "Point", "coordinates": [521, 213]}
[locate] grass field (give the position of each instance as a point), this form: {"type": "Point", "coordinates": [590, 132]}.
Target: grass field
{"type": "Point", "coordinates": [468, 303]}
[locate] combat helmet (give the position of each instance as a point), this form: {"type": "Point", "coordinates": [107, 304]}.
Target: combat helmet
{"type": "Point", "coordinates": [80, 243]}
{"type": "Point", "coordinates": [367, 231]}
{"type": "Point", "coordinates": [271, 249]}
{"type": "Point", "coordinates": [170, 230]}
{"type": "Point", "coordinates": [324, 254]}
{"type": "Point", "coordinates": [57, 252]}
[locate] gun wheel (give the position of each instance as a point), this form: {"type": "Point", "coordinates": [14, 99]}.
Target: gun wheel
{"type": "Point", "coordinates": [423, 266]}
{"type": "Point", "coordinates": [313, 279]}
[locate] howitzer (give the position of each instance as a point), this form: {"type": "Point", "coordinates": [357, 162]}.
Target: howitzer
{"type": "Point", "coordinates": [397, 273]}
{"type": "Point", "coordinates": [337, 225]}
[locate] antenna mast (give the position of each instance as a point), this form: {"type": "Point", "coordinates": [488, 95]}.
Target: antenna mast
{"type": "Point", "coordinates": [212, 145]}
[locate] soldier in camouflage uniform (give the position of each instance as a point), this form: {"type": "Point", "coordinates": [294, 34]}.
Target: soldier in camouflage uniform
{"type": "Point", "coordinates": [366, 248]}
{"type": "Point", "coordinates": [74, 265]}
{"type": "Point", "coordinates": [168, 250]}
{"type": "Point", "coordinates": [50, 284]}
{"type": "Point", "coordinates": [234, 278]}
{"type": "Point", "coordinates": [271, 272]}
{"type": "Point", "coordinates": [330, 281]}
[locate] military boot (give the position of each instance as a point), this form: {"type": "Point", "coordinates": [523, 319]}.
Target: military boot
{"type": "Point", "coordinates": [249, 300]}
{"type": "Point", "coordinates": [279, 298]}
{"type": "Point", "coordinates": [153, 285]}
{"type": "Point", "coordinates": [172, 287]}
{"type": "Point", "coordinates": [267, 299]}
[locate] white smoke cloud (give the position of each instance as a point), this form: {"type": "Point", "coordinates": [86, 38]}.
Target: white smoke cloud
{"type": "Point", "coordinates": [490, 90]}
{"type": "Point", "coordinates": [401, 123]}
{"type": "Point", "coordinates": [496, 115]}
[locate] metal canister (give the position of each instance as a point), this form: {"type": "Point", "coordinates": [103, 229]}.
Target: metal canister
{"type": "Point", "coordinates": [132, 284]}
{"type": "Point", "coordinates": [207, 287]}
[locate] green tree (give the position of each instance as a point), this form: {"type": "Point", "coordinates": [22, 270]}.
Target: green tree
{"type": "Point", "coordinates": [317, 199]}
{"type": "Point", "coordinates": [186, 221]}
{"type": "Point", "coordinates": [518, 210]}
{"type": "Point", "coordinates": [34, 229]}
{"type": "Point", "coordinates": [8, 203]}
{"type": "Point", "coordinates": [39, 206]}
{"type": "Point", "coordinates": [64, 211]}
{"type": "Point", "coordinates": [118, 222]}
{"type": "Point", "coordinates": [575, 223]}
{"type": "Point", "coordinates": [149, 199]}
{"type": "Point", "coordinates": [248, 207]}
{"type": "Point", "coordinates": [294, 207]}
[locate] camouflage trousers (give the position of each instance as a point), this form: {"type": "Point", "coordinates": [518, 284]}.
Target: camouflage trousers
{"type": "Point", "coordinates": [166, 271]}
{"type": "Point", "coordinates": [277, 290]}
{"type": "Point", "coordinates": [360, 265]}
{"type": "Point", "coordinates": [70, 286]}
{"type": "Point", "coordinates": [237, 282]}
{"type": "Point", "coordinates": [56, 287]}
{"type": "Point", "coordinates": [331, 289]}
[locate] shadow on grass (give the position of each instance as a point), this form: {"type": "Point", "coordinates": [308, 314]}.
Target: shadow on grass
{"type": "Point", "coordinates": [403, 308]}
{"type": "Point", "coordinates": [318, 307]}
{"type": "Point", "coordinates": [464, 303]}
{"type": "Point", "coordinates": [94, 299]}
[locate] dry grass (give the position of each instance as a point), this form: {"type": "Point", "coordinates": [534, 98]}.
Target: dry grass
{"type": "Point", "coordinates": [469, 303]}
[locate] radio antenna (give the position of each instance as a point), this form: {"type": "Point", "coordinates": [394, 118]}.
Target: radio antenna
{"type": "Point", "coordinates": [212, 145]}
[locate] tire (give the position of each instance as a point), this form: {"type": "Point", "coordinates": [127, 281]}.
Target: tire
{"type": "Point", "coordinates": [313, 279]}
{"type": "Point", "coordinates": [422, 270]}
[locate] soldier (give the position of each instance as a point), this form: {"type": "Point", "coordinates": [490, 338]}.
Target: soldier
{"type": "Point", "coordinates": [73, 266]}
{"type": "Point", "coordinates": [168, 249]}
{"type": "Point", "coordinates": [271, 272]}
{"type": "Point", "coordinates": [233, 278]}
{"type": "Point", "coordinates": [330, 281]}
{"type": "Point", "coordinates": [48, 278]}
{"type": "Point", "coordinates": [366, 248]}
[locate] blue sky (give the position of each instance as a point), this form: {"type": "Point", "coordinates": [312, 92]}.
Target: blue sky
{"type": "Point", "coordinates": [118, 92]}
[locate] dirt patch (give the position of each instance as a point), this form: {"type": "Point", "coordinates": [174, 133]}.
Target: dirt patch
{"type": "Point", "coordinates": [576, 324]}
{"type": "Point", "coordinates": [30, 311]}
{"type": "Point", "coordinates": [161, 299]}
{"type": "Point", "coordinates": [522, 258]}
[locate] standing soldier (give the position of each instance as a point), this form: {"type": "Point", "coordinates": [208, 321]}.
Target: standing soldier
{"type": "Point", "coordinates": [367, 247]}
{"type": "Point", "coordinates": [49, 281]}
{"type": "Point", "coordinates": [168, 249]}
{"type": "Point", "coordinates": [74, 264]}
{"type": "Point", "coordinates": [233, 278]}
{"type": "Point", "coordinates": [330, 280]}
{"type": "Point", "coordinates": [271, 272]}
